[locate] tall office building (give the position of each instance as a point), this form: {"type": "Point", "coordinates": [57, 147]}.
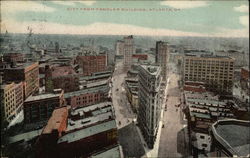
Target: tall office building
{"type": "Point", "coordinates": [161, 57]}
{"type": "Point", "coordinates": [216, 71]}
{"type": "Point", "coordinates": [11, 100]}
{"type": "Point", "coordinates": [119, 47]}
{"type": "Point", "coordinates": [128, 51]}
{"type": "Point", "coordinates": [149, 102]}
{"type": "Point", "coordinates": [28, 73]}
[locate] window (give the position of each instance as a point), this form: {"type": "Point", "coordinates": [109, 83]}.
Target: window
{"type": "Point", "coordinates": [204, 145]}
{"type": "Point", "coordinates": [202, 137]}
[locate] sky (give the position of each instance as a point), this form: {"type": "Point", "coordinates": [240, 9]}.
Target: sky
{"type": "Point", "coordinates": [153, 18]}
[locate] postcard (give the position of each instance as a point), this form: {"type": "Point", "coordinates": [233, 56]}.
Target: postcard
{"type": "Point", "coordinates": [118, 79]}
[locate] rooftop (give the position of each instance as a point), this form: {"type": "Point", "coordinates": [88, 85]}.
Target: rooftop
{"type": "Point", "coordinates": [86, 132]}
{"type": "Point", "coordinates": [58, 116]}
{"type": "Point", "coordinates": [62, 71]}
{"type": "Point", "coordinates": [43, 96]}
{"type": "Point", "coordinates": [233, 135]}
{"type": "Point", "coordinates": [22, 65]}
{"type": "Point", "coordinates": [103, 88]}
{"type": "Point", "coordinates": [211, 56]}
{"type": "Point", "coordinates": [153, 70]}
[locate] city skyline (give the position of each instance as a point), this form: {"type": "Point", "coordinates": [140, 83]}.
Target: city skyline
{"type": "Point", "coordinates": [196, 18]}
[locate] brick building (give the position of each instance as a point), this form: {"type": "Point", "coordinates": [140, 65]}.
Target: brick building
{"type": "Point", "coordinates": [28, 73]}
{"type": "Point", "coordinates": [245, 73]}
{"type": "Point", "coordinates": [12, 100]}
{"type": "Point", "coordinates": [194, 86]}
{"type": "Point", "coordinates": [202, 110]}
{"type": "Point", "coordinates": [91, 63]}
{"type": "Point", "coordinates": [140, 56]}
{"type": "Point", "coordinates": [78, 132]}
{"type": "Point", "coordinates": [87, 96]}
{"type": "Point", "coordinates": [63, 77]}
{"type": "Point", "coordinates": [216, 71]}
{"type": "Point", "coordinates": [13, 57]}
{"type": "Point", "coordinates": [40, 107]}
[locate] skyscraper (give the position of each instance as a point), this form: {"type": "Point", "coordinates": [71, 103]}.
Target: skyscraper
{"type": "Point", "coordinates": [119, 47]}
{"type": "Point", "coordinates": [128, 51]}
{"type": "Point", "coordinates": [161, 57]}
{"type": "Point", "coordinates": [149, 102]}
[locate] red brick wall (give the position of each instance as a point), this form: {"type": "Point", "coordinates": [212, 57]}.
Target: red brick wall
{"type": "Point", "coordinates": [194, 88]}
{"type": "Point", "coordinates": [244, 74]}
{"type": "Point", "coordinates": [86, 99]}
{"type": "Point", "coordinates": [68, 83]}
{"type": "Point", "coordinates": [140, 56]}
{"type": "Point", "coordinates": [91, 64]}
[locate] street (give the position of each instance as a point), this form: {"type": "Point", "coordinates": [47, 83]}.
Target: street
{"type": "Point", "coordinates": [174, 134]}
{"type": "Point", "coordinates": [123, 111]}
{"type": "Point", "coordinates": [128, 136]}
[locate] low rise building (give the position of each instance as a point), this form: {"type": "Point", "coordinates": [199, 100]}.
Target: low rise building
{"type": "Point", "coordinates": [244, 80]}
{"type": "Point", "coordinates": [11, 100]}
{"type": "Point", "coordinates": [87, 96]}
{"type": "Point", "coordinates": [202, 110]}
{"type": "Point", "coordinates": [92, 62]}
{"type": "Point", "coordinates": [39, 108]}
{"type": "Point", "coordinates": [194, 86]}
{"type": "Point", "coordinates": [79, 132]}
{"type": "Point", "coordinates": [131, 87]}
{"type": "Point", "coordinates": [13, 57]}
{"type": "Point", "coordinates": [63, 77]}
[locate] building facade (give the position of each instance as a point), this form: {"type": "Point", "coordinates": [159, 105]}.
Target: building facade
{"type": "Point", "coordinates": [131, 87]}
{"type": "Point", "coordinates": [13, 57]}
{"type": "Point", "coordinates": [216, 71]}
{"type": "Point", "coordinates": [119, 47]}
{"type": "Point", "coordinates": [12, 100]}
{"type": "Point", "coordinates": [28, 73]}
{"type": "Point", "coordinates": [87, 96]}
{"type": "Point", "coordinates": [63, 77]}
{"type": "Point", "coordinates": [92, 63]}
{"type": "Point", "coordinates": [162, 53]}
{"type": "Point", "coordinates": [40, 107]}
{"type": "Point", "coordinates": [149, 102]}
{"type": "Point", "coordinates": [128, 51]}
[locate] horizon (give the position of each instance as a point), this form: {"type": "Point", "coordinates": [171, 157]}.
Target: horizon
{"type": "Point", "coordinates": [140, 18]}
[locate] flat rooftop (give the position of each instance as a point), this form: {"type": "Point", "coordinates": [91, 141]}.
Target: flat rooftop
{"type": "Point", "coordinates": [102, 88]}
{"type": "Point", "coordinates": [62, 71]}
{"type": "Point", "coordinates": [200, 55]}
{"type": "Point", "coordinates": [42, 96]}
{"type": "Point", "coordinates": [87, 132]}
{"type": "Point", "coordinates": [90, 115]}
{"type": "Point", "coordinates": [234, 135]}
{"type": "Point", "coordinates": [56, 120]}
{"type": "Point", "coordinates": [21, 66]}
{"type": "Point", "coordinates": [94, 77]}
